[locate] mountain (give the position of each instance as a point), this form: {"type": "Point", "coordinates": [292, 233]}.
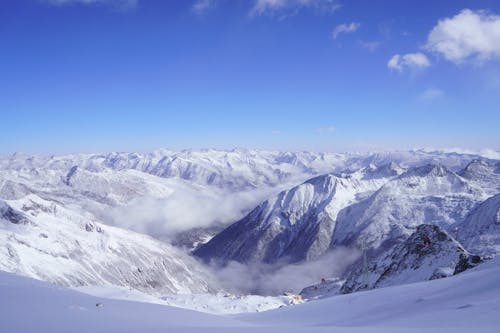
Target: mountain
{"type": "Point", "coordinates": [429, 194]}
{"type": "Point", "coordinates": [429, 253]}
{"type": "Point", "coordinates": [114, 185]}
{"type": "Point", "coordinates": [64, 210]}
{"type": "Point", "coordinates": [44, 240]}
{"type": "Point", "coordinates": [231, 169]}
{"type": "Point", "coordinates": [480, 231]}
{"type": "Point", "coordinates": [297, 224]}
{"type": "Point", "coordinates": [485, 174]}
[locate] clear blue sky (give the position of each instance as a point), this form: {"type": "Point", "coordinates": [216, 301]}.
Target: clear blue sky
{"type": "Point", "coordinates": [107, 75]}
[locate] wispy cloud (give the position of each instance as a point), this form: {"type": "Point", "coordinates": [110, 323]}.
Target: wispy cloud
{"type": "Point", "coordinates": [345, 28]}
{"type": "Point", "coordinates": [408, 61]}
{"type": "Point", "coordinates": [431, 94]}
{"type": "Point", "coordinates": [200, 7]}
{"type": "Point", "coordinates": [291, 7]}
{"type": "Point", "coordinates": [371, 46]}
{"type": "Point", "coordinates": [469, 35]}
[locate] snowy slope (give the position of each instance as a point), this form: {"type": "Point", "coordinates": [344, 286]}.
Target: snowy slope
{"type": "Point", "coordinates": [466, 302]}
{"type": "Point", "coordinates": [219, 303]}
{"type": "Point", "coordinates": [456, 304]}
{"type": "Point", "coordinates": [44, 240]}
{"type": "Point", "coordinates": [29, 306]}
{"type": "Point", "coordinates": [296, 224]}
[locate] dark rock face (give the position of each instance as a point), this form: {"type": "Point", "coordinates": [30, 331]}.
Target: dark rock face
{"type": "Point", "coordinates": [13, 216]}
{"type": "Point", "coordinates": [429, 253]}
{"type": "Point", "coordinates": [467, 262]}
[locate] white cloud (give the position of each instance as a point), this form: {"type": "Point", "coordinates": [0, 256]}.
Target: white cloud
{"type": "Point", "coordinates": [469, 35]}
{"type": "Point", "coordinates": [345, 29]}
{"type": "Point", "coordinates": [165, 217]}
{"type": "Point", "coordinates": [125, 4]}
{"type": "Point", "coordinates": [371, 46]}
{"type": "Point", "coordinates": [431, 94]}
{"type": "Point", "coordinates": [200, 7]}
{"type": "Point", "coordinates": [275, 279]}
{"type": "Point", "coordinates": [328, 129]}
{"type": "Point", "coordinates": [262, 7]}
{"type": "Point", "coordinates": [410, 60]}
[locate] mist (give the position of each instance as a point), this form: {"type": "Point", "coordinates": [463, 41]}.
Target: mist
{"type": "Point", "coordinates": [275, 279]}
{"type": "Point", "coordinates": [185, 209]}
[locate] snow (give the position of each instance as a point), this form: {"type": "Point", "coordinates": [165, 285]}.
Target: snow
{"type": "Point", "coordinates": [59, 245]}
{"type": "Point", "coordinates": [219, 303]}
{"type": "Point", "coordinates": [297, 223]}
{"type": "Point", "coordinates": [67, 220]}
{"type": "Point", "coordinates": [455, 304]}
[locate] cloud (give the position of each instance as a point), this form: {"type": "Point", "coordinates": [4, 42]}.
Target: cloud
{"type": "Point", "coordinates": [431, 94]}
{"type": "Point", "coordinates": [345, 28]}
{"type": "Point", "coordinates": [123, 4]}
{"type": "Point", "coordinates": [269, 7]}
{"type": "Point", "coordinates": [410, 60]}
{"type": "Point", "coordinates": [166, 217]}
{"type": "Point", "coordinates": [267, 279]}
{"type": "Point", "coordinates": [328, 129]}
{"type": "Point", "coordinates": [200, 7]}
{"type": "Point", "coordinates": [371, 46]}
{"type": "Point", "coordinates": [469, 35]}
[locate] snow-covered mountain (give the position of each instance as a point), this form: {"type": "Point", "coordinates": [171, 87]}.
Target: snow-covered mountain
{"type": "Point", "coordinates": [480, 231]}
{"type": "Point", "coordinates": [231, 169]}
{"type": "Point", "coordinates": [373, 207]}
{"type": "Point", "coordinates": [296, 224]}
{"type": "Point", "coordinates": [429, 253]}
{"type": "Point", "coordinates": [61, 209]}
{"type": "Point", "coordinates": [167, 192]}
{"type": "Point", "coordinates": [430, 194]}
{"type": "Point", "coordinates": [485, 174]}
{"type": "Point", "coordinates": [44, 240]}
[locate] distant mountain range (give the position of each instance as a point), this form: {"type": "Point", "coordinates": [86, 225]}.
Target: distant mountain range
{"type": "Point", "coordinates": [66, 219]}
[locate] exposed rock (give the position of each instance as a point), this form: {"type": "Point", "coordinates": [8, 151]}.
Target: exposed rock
{"type": "Point", "coordinates": [429, 253]}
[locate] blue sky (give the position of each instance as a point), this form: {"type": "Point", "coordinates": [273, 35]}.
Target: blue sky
{"type": "Point", "coordinates": [124, 75]}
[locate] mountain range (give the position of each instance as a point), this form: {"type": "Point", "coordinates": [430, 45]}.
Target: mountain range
{"type": "Point", "coordinates": [90, 219]}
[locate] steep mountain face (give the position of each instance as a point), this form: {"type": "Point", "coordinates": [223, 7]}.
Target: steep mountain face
{"type": "Point", "coordinates": [480, 231]}
{"type": "Point", "coordinates": [429, 253]}
{"type": "Point", "coordinates": [297, 224]}
{"type": "Point", "coordinates": [431, 194]}
{"type": "Point", "coordinates": [44, 240]}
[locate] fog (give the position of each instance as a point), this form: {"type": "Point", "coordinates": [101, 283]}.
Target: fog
{"type": "Point", "coordinates": [185, 209]}
{"type": "Point", "coordinates": [275, 279]}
